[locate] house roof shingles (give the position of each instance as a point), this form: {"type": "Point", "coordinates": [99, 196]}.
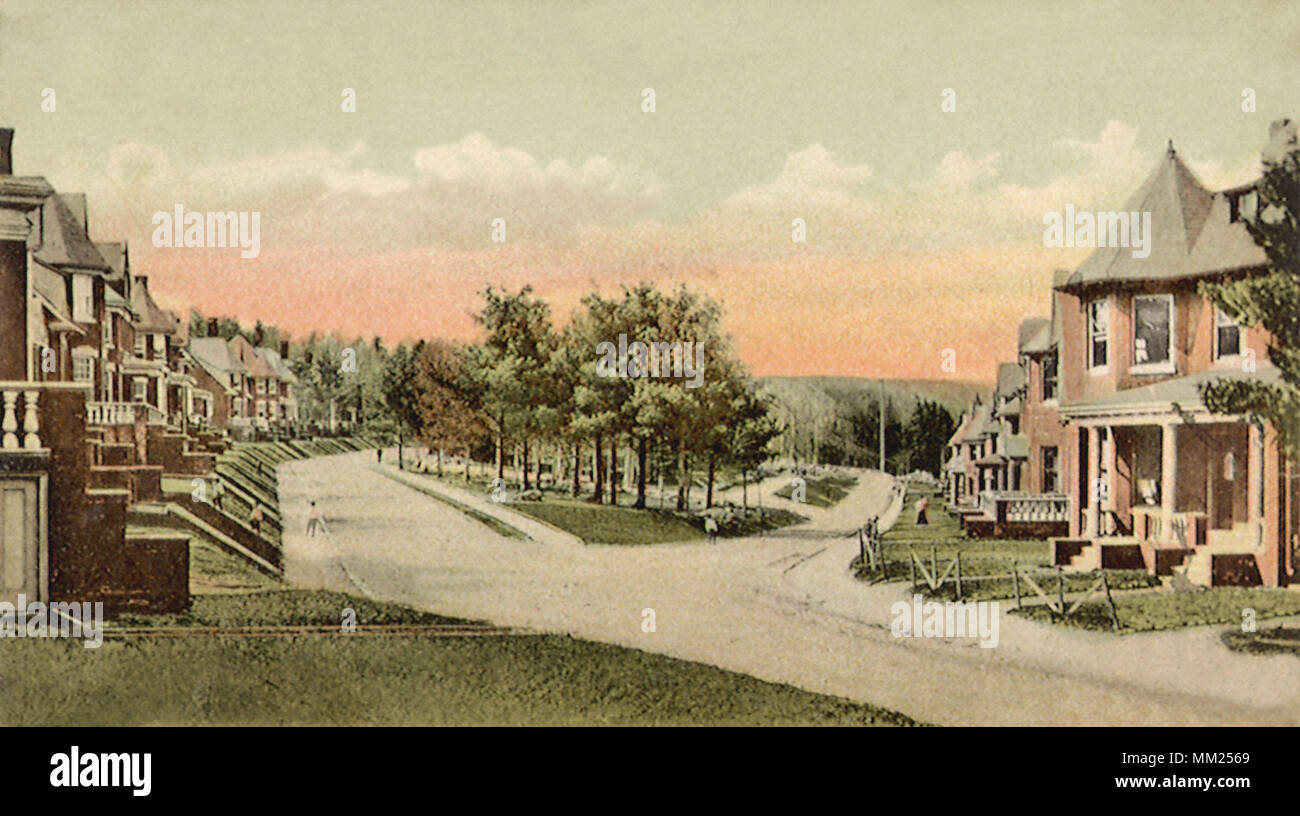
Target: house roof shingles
{"type": "Point", "coordinates": [1190, 234]}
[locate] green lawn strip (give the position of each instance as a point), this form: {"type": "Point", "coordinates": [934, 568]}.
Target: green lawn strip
{"type": "Point", "coordinates": [608, 524]}
{"type": "Point", "coordinates": [821, 491]}
{"type": "Point", "coordinates": [285, 607]}
{"type": "Point", "coordinates": [491, 522]}
{"type": "Point", "coordinates": [1159, 611]}
{"type": "Point", "coordinates": [1272, 641]}
{"type": "Point", "coordinates": [616, 525]}
{"type": "Point", "coordinates": [398, 680]}
{"type": "Point", "coordinates": [619, 525]}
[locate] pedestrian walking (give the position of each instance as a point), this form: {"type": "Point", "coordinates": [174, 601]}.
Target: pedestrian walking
{"type": "Point", "coordinates": [314, 521]}
{"type": "Point", "coordinates": [217, 490]}
{"type": "Point", "coordinates": [711, 527]}
{"type": "Point", "coordinates": [255, 518]}
{"type": "Point", "coordinates": [379, 456]}
{"type": "Point", "coordinates": [921, 507]}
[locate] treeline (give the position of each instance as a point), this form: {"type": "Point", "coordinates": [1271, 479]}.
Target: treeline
{"type": "Point", "coordinates": [844, 428]}
{"type": "Point", "coordinates": [540, 397]}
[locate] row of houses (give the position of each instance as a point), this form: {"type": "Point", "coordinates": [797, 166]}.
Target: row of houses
{"type": "Point", "coordinates": [1097, 437]}
{"type": "Point", "coordinates": [105, 395]}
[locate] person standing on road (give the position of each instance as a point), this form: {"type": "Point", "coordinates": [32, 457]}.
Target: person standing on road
{"type": "Point", "coordinates": [711, 527]}
{"type": "Point", "coordinates": [379, 456]}
{"type": "Point", "coordinates": [921, 507]}
{"type": "Point", "coordinates": [314, 521]}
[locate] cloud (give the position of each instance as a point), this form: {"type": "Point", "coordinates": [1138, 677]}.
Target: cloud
{"type": "Point", "coordinates": [315, 195]}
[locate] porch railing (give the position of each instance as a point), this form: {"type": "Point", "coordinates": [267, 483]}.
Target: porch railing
{"type": "Point", "coordinates": [122, 413]}
{"type": "Point", "coordinates": [20, 424]}
{"type": "Point", "coordinates": [1025, 507]}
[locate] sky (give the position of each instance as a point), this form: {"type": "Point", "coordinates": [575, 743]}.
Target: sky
{"type": "Point", "coordinates": [924, 226]}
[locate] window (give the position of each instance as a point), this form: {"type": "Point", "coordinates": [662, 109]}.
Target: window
{"type": "Point", "coordinates": [1244, 207]}
{"type": "Point", "coordinates": [159, 346]}
{"type": "Point", "coordinates": [1049, 377]}
{"type": "Point", "coordinates": [139, 389]}
{"type": "Point", "coordinates": [108, 332]}
{"type": "Point", "coordinates": [83, 299]}
{"type": "Point", "coordinates": [1227, 335]}
{"type": "Point", "coordinates": [83, 368]}
{"type": "Point", "coordinates": [141, 343]}
{"type": "Point", "coordinates": [1051, 473]}
{"type": "Point", "coordinates": [1098, 334]}
{"type": "Point", "coordinates": [1153, 318]}
{"type": "Point", "coordinates": [261, 385]}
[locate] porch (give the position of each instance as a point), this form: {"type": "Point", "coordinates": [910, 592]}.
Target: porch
{"type": "Point", "coordinates": [1178, 493]}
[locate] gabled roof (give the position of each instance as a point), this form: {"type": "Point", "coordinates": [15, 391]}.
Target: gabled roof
{"type": "Point", "coordinates": [1034, 335]}
{"type": "Point", "coordinates": [148, 316]}
{"type": "Point", "coordinates": [62, 242]}
{"type": "Point", "coordinates": [114, 254]}
{"type": "Point", "coordinates": [1011, 378]}
{"type": "Point", "coordinates": [280, 366]}
{"type": "Point", "coordinates": [217, 358]}
{"type": "Point", "coordinates": [256, 364]}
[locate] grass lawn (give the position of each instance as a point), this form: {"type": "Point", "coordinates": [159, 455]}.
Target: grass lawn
{"type": "Point", "coordinates": [1272, 641]}
{"type": "Point", "coordinates": [607, 524]}
{"type": "Point", "coordinates": [991, 557]}
{"type": "Point", "coordinates": [284, 607]}
{"type": "Point", "coordinates": [821, 491]}
{"type": "Point", "coordinates": [392, 680]}
{"type": "Point", "coordinates": [944, 536]}
{"type": "Point", "coordinates": [619, 525]}
{"type": "Point", "coordinates": [1178, 610]}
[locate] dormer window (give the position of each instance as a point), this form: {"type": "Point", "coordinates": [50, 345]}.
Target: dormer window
{"type": "Point", "coordinates": [1049, 377]}
{"type": "Point", "coordinates": [1153, 320]}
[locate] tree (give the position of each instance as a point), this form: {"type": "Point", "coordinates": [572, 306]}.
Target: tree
{"type": "Point", "coordinates": [925, 438]}
{"type": "Point", "coordinates": [1270, 301]}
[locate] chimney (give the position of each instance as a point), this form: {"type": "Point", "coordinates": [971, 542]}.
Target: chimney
{"type": "Point", "coordinates": [284, 350]}
{"type": "Point", "coordinates": [212, 327]}
{"type": "Point", "coordinates": [6, 151]}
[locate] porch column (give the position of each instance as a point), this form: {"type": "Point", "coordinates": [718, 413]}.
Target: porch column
{"type": "Point", "coordinates": [1112, 460]}
{"type": "Point", "coordinates": [1255, 483]}
{"type": "Point", "coordinates": [1093, 527]}
{"type": "Point", "coordinates": [1168, 478]}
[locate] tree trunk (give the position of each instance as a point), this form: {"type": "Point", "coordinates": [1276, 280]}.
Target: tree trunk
{"type": "Point", "coordinates": [501, 450]}
{"type": "Point", "coordinates": [640, 473]}
{"type": "Point", "coordinates": [681, 475]}
{"type": "Point", "coordinates": [708, 494]}
{"type": "Point", "coordinates": [613, 468]}
{"type": "Point", "coordinates": [744, 490]}
{"type": "Point", "coordinates": [598, 468]}
{"type": "Point", "coordinates": [439, 463]}
{"type": "Point", "coordinates": [525, 473]}
{"type": "Point", "coordinates": [577, 468]}
{"type": "Point", "coordinates": [468, 461]}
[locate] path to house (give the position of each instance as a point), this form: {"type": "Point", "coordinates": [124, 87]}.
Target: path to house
{"type": "Point", "coordinates": [782, 608]}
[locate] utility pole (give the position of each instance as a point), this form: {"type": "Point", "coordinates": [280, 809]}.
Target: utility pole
{"type": "Point", "coordinates": [882, 425]}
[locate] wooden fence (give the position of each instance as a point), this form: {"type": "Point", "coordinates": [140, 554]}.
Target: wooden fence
{"type": "Point", "coordinates": [1055, 602]}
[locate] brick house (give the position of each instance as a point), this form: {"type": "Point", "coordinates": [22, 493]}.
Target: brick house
{"type": "Point", "coordinates": [63, 500]}
{"type": "Point", "coordinates": [1157, 480]}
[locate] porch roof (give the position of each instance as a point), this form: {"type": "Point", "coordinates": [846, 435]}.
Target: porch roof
{"type": "Point", "coordinates": [1166, 396]}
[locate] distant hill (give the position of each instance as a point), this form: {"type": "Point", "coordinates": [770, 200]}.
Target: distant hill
{"type": "Point", "coordinates": [954, 395]}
